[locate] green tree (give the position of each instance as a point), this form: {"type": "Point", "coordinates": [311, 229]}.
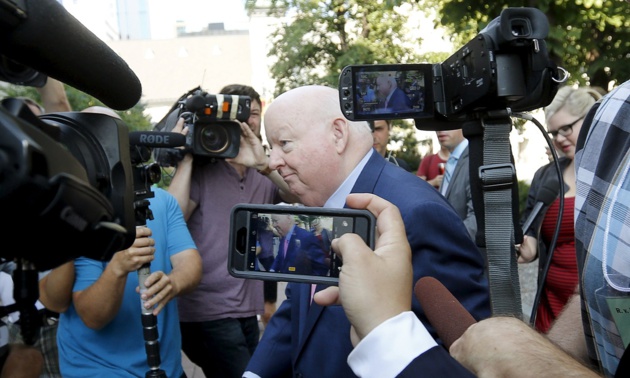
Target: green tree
{"type": "Point", "coordinates": [322, 37]}
{"type": "Point", "coordinates": [134, 118]}
{"type": "Point", "coordinates": [589, 38]}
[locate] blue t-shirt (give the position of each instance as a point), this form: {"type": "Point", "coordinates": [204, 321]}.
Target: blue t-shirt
{"type": "Point", "coordinates": [118, 349]}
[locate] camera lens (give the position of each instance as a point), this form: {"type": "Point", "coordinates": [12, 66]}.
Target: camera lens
{"type": "Point", "coordinates": [214, 138]}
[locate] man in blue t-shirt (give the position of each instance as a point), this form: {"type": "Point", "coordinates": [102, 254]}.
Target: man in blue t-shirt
{"type": "Point", "coordinates": [101, 333]}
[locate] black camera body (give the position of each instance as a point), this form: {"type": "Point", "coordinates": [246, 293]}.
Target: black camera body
{"type": "Point", "coordinates": [505, 66]}
{"type": "Point", "coordinates": [212, 128]}
{"type": "Point", "coordinates": [67, 182]}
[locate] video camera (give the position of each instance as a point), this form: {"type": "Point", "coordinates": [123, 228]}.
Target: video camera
{"type": "Point", "coordinates": [69, 181]}
{"type": "Point", "coordinates": [212, 130]}
{"type": "Point", "coordinates": [505, 66]}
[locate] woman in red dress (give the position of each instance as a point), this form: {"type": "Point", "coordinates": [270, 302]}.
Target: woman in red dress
{"type": "Point", "coordinates": [564, 117]}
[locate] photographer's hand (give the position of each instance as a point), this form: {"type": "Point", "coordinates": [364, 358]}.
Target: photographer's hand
{"type": "Point", "coordinates": [251, 152]}
{"type": "Point", "coordinates": [374, 286]}
{"type": "Point", "coordinates": [99, 303]}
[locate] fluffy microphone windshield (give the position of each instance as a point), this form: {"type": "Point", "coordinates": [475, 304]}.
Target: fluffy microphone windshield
{"type": "Point", "coordinates": [50, 40]}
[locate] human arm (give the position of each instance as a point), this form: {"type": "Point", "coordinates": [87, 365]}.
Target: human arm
{"type": "Point", "coordinates": [528, 250]}
{"type": "Point", "coordinates": [55, 289]}
{"type": "Point", "coordinates": [99, 303]}
{"type": "Point", "coordinates": [180, 184]}
{"type": "Point", "coordinates": [374, 286]}
{"type": "Point", "coordinates": [375, 291]}
{"type": "Point", "coordinates": [252, 154]}
{"type": "Point", "coordinates": [508, 347]}
{"type": "Point", "coordinates": [567, 330]}
{"type": "Point", "coordinates": [53, 96]}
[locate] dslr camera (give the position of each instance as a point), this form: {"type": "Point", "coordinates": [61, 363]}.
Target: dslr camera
{"type": "Point", "coordinates": [505, 66]}
{"type": "Point", "coordinates": [212, 128]}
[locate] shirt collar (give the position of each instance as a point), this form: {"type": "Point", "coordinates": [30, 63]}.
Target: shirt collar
{"type": "Point", "coordinates": [457, 152]}
{"type": "Point", "coordinates": [338, 199]}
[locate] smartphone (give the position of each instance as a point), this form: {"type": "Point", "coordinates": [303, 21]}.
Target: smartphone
{"type": "Point", "coordinates": [292, 243]}
{"type": "Point", "coordinates": [368, 92]}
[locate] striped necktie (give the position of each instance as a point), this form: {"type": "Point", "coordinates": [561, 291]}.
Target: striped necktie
{"type": "Point", "coordinates": [448, 172]}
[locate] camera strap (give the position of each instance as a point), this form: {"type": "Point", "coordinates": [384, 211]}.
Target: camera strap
{"type": "Point", "coordinates": [494, 192]}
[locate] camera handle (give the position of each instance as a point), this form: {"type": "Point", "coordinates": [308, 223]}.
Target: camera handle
{"type": "Point", "coordinates": [149, 321]}
{"type": "Point", "coordinates": [25, 294]}
{"type": "Point", "coordinates": [494, 190]}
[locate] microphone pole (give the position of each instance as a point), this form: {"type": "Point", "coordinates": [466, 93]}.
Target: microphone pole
{"type": "Point", "coordinates": [149, 321]}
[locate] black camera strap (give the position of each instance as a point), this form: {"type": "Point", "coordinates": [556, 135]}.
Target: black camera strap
{"type": "Point", "coordinates": [494, 191]}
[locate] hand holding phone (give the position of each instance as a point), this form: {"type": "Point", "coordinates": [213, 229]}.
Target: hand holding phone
{"type": "Point", "coordinates": [292, 243]}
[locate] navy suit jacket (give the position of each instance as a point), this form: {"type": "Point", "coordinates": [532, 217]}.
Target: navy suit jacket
{"type": "Point", "coordinates": [304, 255]}
{"type": "Point", "coordinates": [313, 341]}
{"type": "Point", "coordinates": [435, 362]}
{"type": "Point", "coordinates": [399, 101]}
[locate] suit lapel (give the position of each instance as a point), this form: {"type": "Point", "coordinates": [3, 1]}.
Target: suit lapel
{"type": "Point", "coordinates": [456, 171]}
{"type": "Point", "coordinates": [310, 313]}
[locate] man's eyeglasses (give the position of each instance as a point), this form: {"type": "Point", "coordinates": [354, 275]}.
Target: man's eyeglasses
{"type": "Point", "coordinates": [565, 130]}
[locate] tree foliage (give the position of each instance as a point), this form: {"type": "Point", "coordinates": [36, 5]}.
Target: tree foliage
{"type": "Point", "coordinates": [589, 38]}
{"type": "Point", "coordinates": [322, 37]}
{"type": "Point", "coordinates": [134, 118]}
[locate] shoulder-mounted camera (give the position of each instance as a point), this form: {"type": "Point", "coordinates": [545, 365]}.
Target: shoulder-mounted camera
{"type": "Point", "coordinates": [212, 128]}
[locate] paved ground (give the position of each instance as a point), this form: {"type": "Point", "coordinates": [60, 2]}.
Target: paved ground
{"type": "Point", "coordinates": [527, 276]}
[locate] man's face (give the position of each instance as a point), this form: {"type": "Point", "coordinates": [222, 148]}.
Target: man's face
{"type": "Point", "coordinates": [450, 138]}
{"type": "Point", "coordinates": [282, 223]}
{"type": "Point", "coordinates": [383, 86]}
{"type": "Point", "coordinates": [381, 136]}
{"type": "Point", "coordinates": [255, 118]}
{"type": "Point", "coordinates": [304, 153]}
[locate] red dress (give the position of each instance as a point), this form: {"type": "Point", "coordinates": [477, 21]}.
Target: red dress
{"type": "Point", "coordinates": [562, 276]}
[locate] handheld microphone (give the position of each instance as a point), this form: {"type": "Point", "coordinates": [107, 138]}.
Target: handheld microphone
{"type": "Point", "coordinates": [449, 318]}
{"type": "Point", "coordinates": [50, 40]}
{"type": "Point", "coordinates": [546, 196]}
{"type": "Point", "coordinates": [160, 139]}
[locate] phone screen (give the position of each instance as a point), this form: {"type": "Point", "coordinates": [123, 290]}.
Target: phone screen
{"type": "Point", "coordinates": [293, 243]}
{"type": "Point", "coordinates": [395, 90]}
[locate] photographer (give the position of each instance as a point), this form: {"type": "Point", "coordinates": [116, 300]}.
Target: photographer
{"type": "Point", "coordinates": [219, 319]}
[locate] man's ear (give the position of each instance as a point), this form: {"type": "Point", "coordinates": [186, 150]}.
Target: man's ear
{"type": "Point", "coordinates": [341, 130]}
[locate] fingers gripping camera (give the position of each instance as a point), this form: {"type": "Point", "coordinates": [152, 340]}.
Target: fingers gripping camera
{"type": "Point", "coordinates": [212, 128]}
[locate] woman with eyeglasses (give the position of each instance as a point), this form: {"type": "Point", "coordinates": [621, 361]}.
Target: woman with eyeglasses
{"type": "Point", "coordinates": [564, 117]}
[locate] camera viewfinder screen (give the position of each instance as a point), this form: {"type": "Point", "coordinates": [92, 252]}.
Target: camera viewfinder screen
{"type": "Point", "coordinates": [296, 243]}
{"type": "Point", "coordinates": [406, 93]}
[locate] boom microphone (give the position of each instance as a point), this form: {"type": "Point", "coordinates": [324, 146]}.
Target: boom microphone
{"type": "Point", "coordinates": [546, 196]}
{"type": "Point", "coordinates": [45, 37]}
{"type": "Point", "coordinates": [160, 139]}
{"type": "Point", "coordinates": [449, 318]}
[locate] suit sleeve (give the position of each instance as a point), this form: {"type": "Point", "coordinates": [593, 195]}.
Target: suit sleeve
{"type": "Point", "coordinates": [402, 346]}
{"type": "Point", "coordinates": [435, 362]}
{"type": "Point", "coordinates": [273, 353]}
